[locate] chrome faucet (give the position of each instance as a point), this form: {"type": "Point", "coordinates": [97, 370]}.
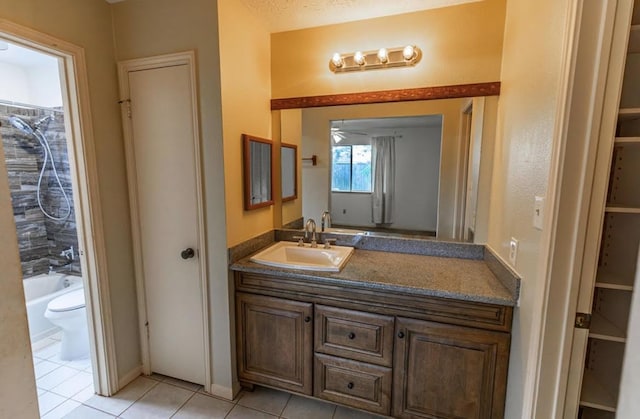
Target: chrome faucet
{"type": "Point", "coordinates": [326, 216]}
{"type": "Point", "coordinates": [311, 225]}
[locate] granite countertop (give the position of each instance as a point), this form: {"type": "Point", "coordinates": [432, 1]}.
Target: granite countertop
{"type": "Point", "coordinates": [461, 279]}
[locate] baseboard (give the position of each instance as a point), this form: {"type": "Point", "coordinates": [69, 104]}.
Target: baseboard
{"type": "Point", "coordinates": [129, 377]}
{"type": "Point", "coordinates": [225, 392]}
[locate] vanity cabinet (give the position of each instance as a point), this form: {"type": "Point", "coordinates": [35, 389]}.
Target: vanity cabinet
{"type": "Point", "coordinates": [445, 371]}
{"type": "Point", "coordinates": [406, 356]}
{"type": "Point", "coordinates": [274, 342]}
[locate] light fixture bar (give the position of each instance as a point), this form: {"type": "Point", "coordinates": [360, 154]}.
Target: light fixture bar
{"type": "Point", "coordinates": [372, 60]}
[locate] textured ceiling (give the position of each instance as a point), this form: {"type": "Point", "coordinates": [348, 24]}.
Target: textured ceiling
{"type": "Point", "coordinates": [285, 15]}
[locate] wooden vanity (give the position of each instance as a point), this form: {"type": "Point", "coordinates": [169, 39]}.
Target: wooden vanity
{"type": "Point", "coordinates": [389, 351]}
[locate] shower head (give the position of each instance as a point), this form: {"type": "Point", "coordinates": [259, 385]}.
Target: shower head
{"type": "Point", "coordinates": [20, 124]}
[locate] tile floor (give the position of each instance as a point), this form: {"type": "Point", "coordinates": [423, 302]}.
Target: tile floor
{"type": "Point", "coordinates": [60, 383]}
{"type": "Point", "coordinates": [65, 390]}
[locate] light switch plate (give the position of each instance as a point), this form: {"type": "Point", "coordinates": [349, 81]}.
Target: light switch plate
{"type": "Point", "coordinates": [538, 212]}
{"type": "Point", "coordinates": [513, 251]}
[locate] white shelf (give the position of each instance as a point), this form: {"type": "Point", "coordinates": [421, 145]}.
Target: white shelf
{"type": "Point", "coordinates": [613, 281]}
{"type": "Point", "coordinates": [627, 140]}
{"type": "Point", "coordinates": [595, 394]}
{"type": "Point", "coordinates": [603, 329]}
{"type": "Point", "coordinates": [625, 114]}
{"type": "Point", "coordinates": [617, 209]}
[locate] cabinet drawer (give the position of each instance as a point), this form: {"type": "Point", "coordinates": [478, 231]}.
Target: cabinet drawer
{"type": "Point", "coordinates": [354, 334]}
{"type": "Point", "coordinates": [353, 383]}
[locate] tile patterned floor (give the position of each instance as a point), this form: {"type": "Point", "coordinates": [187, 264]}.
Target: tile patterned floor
{"type": "Point", "coordinates": [65, 390]}
{"type": "Point", "coordinates": [157, 397]}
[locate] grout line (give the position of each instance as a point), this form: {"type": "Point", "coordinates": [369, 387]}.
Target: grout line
{"type": "Point", "coordinates": [183, 404]}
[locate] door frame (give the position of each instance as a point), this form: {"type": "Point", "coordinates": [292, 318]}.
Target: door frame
{"type": "Point", "coordinates": [84, 177]}
{"type": "Point", "coordinates": [464, 140]}
{"type": "Point", "coordinates": [187, 58]}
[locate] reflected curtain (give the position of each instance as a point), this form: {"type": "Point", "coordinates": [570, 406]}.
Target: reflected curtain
{"type": "Point", "coordinates": [384, 167]}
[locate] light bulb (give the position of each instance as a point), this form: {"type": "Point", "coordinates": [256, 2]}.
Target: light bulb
{"type": "Point", "coordinates": [358, 58]}
{"type": "Point", "coordinates": [409, 52]}
{"type": "Point", "coordinates": [337, 60]}
{"type": "Point", "coordinates": [383, 55]}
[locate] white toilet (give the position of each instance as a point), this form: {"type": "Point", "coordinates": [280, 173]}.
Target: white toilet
{"type": "Point", "coordinates": [70, 314]}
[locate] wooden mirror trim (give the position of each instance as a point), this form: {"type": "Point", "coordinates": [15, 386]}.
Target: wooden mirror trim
{"type": "Point", "coordinates": [246, 163]}
{"type": "Point", "coordinates": [295, 170]}
{"type": "Point", "coordinates": [384, 96]}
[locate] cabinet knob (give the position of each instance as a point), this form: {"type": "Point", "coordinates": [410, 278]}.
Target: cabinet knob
{"type": "Point", "coordinates": [350, 386]}
{"type": "Point", "coordinates": [400, 334]}
{"type": "Point", "coordinates": [352, 335]}
{"type": "Point", "coordinates": [307, 319]}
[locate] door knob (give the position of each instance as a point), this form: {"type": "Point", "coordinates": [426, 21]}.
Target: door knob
{"type": "Point", "coordinates": [187, 253]}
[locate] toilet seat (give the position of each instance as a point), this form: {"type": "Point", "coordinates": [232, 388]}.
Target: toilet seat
{"type": "Point", "coordinates": [67, 302]}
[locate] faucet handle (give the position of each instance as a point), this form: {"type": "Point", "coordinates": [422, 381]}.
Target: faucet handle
{"type": "Point", "coordinates": [328, 242]}
{"type": "Point", "coordinates": [300, 240]}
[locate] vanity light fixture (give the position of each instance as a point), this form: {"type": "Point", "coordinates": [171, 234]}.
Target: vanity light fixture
{"type": "Point", "coordinates": [369, 60]}
{"type": "Point", "coordinates": [337, 60]}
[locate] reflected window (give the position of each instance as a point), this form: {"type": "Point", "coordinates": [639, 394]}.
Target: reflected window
{"type": "Point", "coordinates": [351, 168]}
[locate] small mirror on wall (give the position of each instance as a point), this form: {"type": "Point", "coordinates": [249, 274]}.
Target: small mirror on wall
{"type": "Point", "coordinates": [288, 167]}
{"type": "Point", "coordinates": [257, 158]}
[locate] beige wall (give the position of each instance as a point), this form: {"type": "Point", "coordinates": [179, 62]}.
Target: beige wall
{"type": "Point", "coordinates": [152, 27]}
{"type": "Point", "coordinates": [315, 130]}
{"type": "Point", "coordinates": [87, 23]}
{"type": "Point", "coordinates": [526, 122]}
{"type": "Point", "coordinates": [246, 92]}
{"type": "Point", "coordinates": [460, 44]}
{"type": "Point", "coordinates": [17, 382]}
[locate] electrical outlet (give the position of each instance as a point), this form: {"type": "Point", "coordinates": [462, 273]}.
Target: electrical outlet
{"type": "Point", "coordinates": [538, 212]}
{"type": "Point", "coordinates": [513, 251]}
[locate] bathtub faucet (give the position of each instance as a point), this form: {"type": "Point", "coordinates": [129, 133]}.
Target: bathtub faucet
{"type": "Point", "coordinates": [68, 253]}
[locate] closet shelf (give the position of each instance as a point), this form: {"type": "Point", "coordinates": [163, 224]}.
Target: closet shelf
{"type": "Point", "coordinates": [634, 40]}
{"type": "Point", "coordinates": [603, 329]}
{"type": "Point", "coordinates": [595, 395]}
{"type": "Point", "coordinates": [625, 114]}
{"type": "Point", "coordinates": [613, 281]}
{"type": "Point", "coordinates": [618, 209]}
{"type": "Point", "coordinates": [627, 140]}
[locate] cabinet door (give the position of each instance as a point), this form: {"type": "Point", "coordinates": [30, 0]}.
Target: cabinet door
{"type": "Point", "coordinates": [444, 371]}
{"type": "Point", "coordinates": [275, 342]}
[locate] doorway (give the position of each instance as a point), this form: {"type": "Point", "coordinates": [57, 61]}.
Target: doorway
{"type": "Point", "coordinates": [46, 138]}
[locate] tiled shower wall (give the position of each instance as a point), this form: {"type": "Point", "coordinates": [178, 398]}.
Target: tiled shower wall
{"type": "Point", "coordinates": [41, 240]}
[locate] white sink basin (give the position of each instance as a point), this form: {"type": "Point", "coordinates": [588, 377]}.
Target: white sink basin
{"type": "Point", "coordinates": [289, 255]}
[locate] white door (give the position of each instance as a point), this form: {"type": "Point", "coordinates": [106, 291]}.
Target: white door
{"type": "Point", "coordinates": [163, 145]}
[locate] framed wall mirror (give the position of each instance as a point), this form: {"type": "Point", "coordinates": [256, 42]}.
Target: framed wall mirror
{"type": "Point", "coordinates": [258, 174]}
{"type": "Point", "coordinates": [289, 169]}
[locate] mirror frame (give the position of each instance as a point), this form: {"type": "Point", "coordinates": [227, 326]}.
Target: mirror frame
{"type": "Point", "coordinates": [246, 162]}
{"type": "Point", "coordinates": [295, 171]}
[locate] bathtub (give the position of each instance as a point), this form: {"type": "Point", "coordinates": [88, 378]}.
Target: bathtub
{"type": "Point", "coordinates": [38, 291]}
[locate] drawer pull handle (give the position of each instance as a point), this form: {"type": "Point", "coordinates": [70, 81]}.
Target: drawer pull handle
{"type": "Point", "coordinates": [350, 386]}
{"type": "Point", "coordinates": [352, 335]}
{"type": "Point", "coordinates": [307, 319]}
{"type": "Point", "coordinates": [400, 335]}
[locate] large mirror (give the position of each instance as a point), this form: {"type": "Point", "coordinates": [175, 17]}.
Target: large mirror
{"type": "Point", "coordinates": [418, 168]}
{"type": "Point", "coordinates": [257, 157]}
